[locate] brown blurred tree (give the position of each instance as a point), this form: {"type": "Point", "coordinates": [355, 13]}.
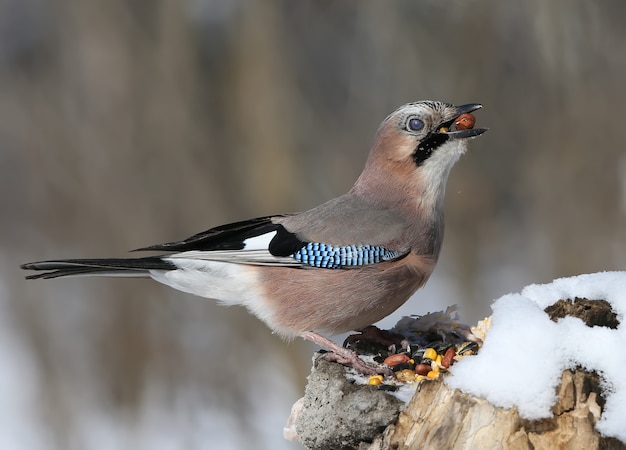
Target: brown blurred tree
{"type": "Point", "coordinates": [129, 123]}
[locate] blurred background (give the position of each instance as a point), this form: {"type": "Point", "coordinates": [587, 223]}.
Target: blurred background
{"type": "Point", "coordinates": [128, 123]}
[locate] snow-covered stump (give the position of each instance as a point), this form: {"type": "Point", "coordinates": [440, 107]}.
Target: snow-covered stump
{"type": "Point", "coordinates": [340, 415]}
{"type": "Point", "coordinates": [550, 375]}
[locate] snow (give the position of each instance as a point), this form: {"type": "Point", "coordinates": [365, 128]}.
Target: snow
{"type": "Point", "coordinates": [19, 383]}
{"type": "Point", "coordinates": [166, 417]}
{"type": "Point", "coordinates": [524, 353]}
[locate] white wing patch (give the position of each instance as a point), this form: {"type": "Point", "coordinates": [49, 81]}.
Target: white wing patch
{"type": "Point", "coordinates": [261, 242]}
{"type": "Point", "coordinates": [255, 252]}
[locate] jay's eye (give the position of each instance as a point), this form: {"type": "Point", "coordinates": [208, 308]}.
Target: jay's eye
{"type": "Point", "coordinates": [415, 124]}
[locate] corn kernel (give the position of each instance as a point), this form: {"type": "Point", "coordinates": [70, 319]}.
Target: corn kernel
{"type": "Point", "coordinates": [430, 353]}
{"type": "Point", "coordinates": [438, 360]}
{"type": "Point", "coordinates": [376, 380]}
{"type": "Point", "coordinates": [406, 375]}
{"type": "Point", "coordinates": [432, 374]}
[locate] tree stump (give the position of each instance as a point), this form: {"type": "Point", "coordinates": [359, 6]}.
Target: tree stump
{"type": "Point", "coordinates": [439, 417]}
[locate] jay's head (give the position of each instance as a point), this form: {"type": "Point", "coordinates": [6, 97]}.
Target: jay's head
{"type": "Point", "coordinates": [417, 145]}
{"type": "Point", "coordinates": [422, 130]}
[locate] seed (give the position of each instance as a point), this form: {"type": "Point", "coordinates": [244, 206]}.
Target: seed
{"type": "Point", "coordinates": [447, 359]}
{"type": "Point", "coordinates": [376, 380]}
{"type": "Point", "coordinates": [430, 353]}
{"type": "Point", "coordinates": [423, 369]}
{"type": "Point", "coordinates": [402, 366]}
{"type": "Point", "coordinates": [468, 348]}
{"type": "Point", "coordinates": [465, 122]}
{"type": "Point", "coordinates": [396, 359]}
{"type": "Point", "coordinates": [406, 375]}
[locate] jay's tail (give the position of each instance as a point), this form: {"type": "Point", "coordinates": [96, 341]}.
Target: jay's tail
{"type": "Point", "coordinates": [114, 267]}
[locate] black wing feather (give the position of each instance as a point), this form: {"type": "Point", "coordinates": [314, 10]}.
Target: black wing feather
{"type": "Point", "coordinates": [68, 267]}
{"type": "Point", "coordinates": [224, 237]}
{"type": "Point", "coordinates": [232, 236]}
{"type": "Point", "coordinates": [285, 243]}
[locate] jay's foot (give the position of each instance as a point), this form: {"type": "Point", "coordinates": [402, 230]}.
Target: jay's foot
{"type": "Point", "coordinates": [346, 356]}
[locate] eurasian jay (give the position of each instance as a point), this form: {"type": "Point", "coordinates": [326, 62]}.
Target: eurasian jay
{"type": "Point", "coordinates": [338, 267]}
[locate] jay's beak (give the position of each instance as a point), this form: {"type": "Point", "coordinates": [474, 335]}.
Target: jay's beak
{"type": "Point", "coordinates": [444, 128]}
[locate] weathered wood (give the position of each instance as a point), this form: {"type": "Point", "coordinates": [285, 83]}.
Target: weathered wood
{"type": "Point", "coordinates": [443, 418]}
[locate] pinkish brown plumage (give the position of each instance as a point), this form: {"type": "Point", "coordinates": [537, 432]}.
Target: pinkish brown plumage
{"type": "Point", "coordinates": [371, 285]}
{"type": "Point", "coordinates": [338, 267]}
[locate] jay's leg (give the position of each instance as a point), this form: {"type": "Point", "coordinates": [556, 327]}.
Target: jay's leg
{"type": "Point", "coordinates": [344, 356]}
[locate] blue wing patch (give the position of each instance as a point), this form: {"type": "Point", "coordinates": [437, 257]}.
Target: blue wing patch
{"type": "Point", "coordinates": [335, 257]}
